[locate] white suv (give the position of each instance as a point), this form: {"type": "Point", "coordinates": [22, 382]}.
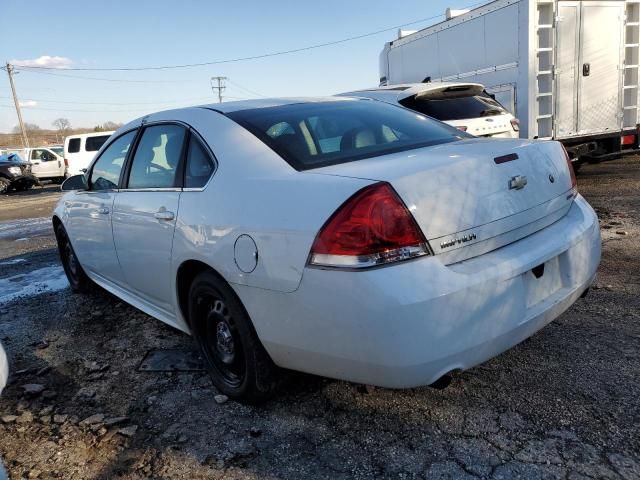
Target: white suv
{"type": "Point", "coordinates": [80, 149]}
{"type": "Point", "coordinates": [466, 106]}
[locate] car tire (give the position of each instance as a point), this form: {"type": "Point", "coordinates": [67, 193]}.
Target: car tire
{"type": "Point", "coordinates": [237, 362]}
{"type": "Point", "coordinates": [78, 279]}
{"type": "Point", "coordinates": [59, 180]}
{"type": "Point", "coordinates": [4, 185]}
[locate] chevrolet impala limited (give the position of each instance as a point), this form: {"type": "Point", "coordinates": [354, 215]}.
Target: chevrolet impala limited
{"type": "Point", "coordinates": [342, 237]}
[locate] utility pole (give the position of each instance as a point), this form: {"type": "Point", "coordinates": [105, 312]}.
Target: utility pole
{"type": "Point", "coordinates": [220, 86]}
{"type": "Point", "coordinates": [25, 139]}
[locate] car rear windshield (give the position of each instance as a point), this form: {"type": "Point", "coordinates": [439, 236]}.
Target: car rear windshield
{"type": "Point", "coordinates": [317, 134]}
{"type": "Point", "coordinates": [456, 108]}
{"type": "Point", "coordinates": [95, 143]}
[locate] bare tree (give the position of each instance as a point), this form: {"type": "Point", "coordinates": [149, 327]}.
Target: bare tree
{"type": "Point", "coordinates": [62, 124]}
{"type": "Point", "coordinates": [111, 126]}
{"type": "Point", "coordinates": [29, 127]}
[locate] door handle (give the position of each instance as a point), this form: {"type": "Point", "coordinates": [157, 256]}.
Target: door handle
{"type": "Point", "coordinates": [586, 69]}
{"type": "Point", "coordinates": [103, 210]}
{"type": "Point", "coordinates": [164, 215]}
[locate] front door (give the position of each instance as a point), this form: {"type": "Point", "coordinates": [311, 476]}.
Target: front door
{"type": "Point", "coordinates": [90, 213]}
{"type": "Point", "coordinates": [46, 164]}
{"type": "Point", "coordinates": [144, 214]}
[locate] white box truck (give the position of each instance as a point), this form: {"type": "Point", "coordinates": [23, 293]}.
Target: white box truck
{"type": "Point", "coordinates": [568, 69]}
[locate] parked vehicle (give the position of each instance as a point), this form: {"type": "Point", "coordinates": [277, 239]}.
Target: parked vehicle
{"type": "Point", "coordinates": [567, 69]}
{"type": "Point", "coordinates": [46, 162]}
{"type": "Point", "coordinates": [465, 106]}
{"type": "Point", "coordinates": [80, 149]}
{"type": "Point", "coordinates": [15, 174]}
{"type": "Point", "coordinates": [342, 237]}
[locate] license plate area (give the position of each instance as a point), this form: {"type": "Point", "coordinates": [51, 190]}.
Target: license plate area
{"type": "Point", "coordinates": [542, 281]}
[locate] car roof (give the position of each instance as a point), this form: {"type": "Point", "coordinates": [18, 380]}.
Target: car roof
{"type": "Point", "coordinates": [228, 107]}
{"type": "Point", "coordinates": [404, 90]}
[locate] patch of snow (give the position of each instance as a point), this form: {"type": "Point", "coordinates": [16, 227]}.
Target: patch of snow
{"type": "Point", "coordinates": [35, 282]}
{"type": "Point", "coordinates": [21, 239]}
{"type": "Point", "coordinates": [14, 261]}
{"type": "Point", "coordinates": [28, 227]}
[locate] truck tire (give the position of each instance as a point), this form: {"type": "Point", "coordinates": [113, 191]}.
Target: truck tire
{"type": "Point", "coordinates": [4, 185]}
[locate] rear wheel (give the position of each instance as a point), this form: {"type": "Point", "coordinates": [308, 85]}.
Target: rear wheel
{"type": "Point", "coordinates": [78, 279]}
{"type": "Point", "coordinates": [237, 362]}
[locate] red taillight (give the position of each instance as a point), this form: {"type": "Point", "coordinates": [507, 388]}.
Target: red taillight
{"type": "Point", "coordinates": [628, 139]}
{"type": "Point", "coordinates": [372, 227]}
{"type": "Point", "coordinates": [66, 162]}
{"type": "Point", "coordinates": [515, 124]}
{"type": "Point", "coordinates": [461, 127]}
{"type": "Point", "coordinates": [574, 182]}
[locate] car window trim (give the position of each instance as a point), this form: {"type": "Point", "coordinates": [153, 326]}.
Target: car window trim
{"type": "Point", "coordinates": [103, 149]}
{"type": "Point", "coordinates": [124, 180]}
{"type": "Point", "coordinates": [205, 146]}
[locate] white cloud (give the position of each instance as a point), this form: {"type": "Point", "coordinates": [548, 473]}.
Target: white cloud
{"type": "Point", "coordinates": [44, 61]}
{"type": "Point", "coordinates": [28, 103]}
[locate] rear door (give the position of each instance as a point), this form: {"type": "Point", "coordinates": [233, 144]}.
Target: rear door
{"type": "Point", "coordinates": [145, 212]}
{"type": "Point", "coordinates": [567, 41]}
{"type": "Point", "coordinates": [588, 71]}
{"type": "Point", "coordinates": [599, 100]}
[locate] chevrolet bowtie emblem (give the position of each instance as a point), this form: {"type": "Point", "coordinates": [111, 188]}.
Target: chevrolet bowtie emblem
{"type": "Point", "coordinates": [518, 182]}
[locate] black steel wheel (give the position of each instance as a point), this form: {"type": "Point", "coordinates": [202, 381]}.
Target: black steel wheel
{"type": "Point", "coordinates": [78, 279]}
{"type": "Point", "coordinates": [237, 362]}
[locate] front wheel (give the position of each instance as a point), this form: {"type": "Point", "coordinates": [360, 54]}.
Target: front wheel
{"type": "Point", "coordinates": [237, 362]}
{"type": "Point", "coordinates": [4, 185]}
{"type": "Point", "coordinates": [78, 279]}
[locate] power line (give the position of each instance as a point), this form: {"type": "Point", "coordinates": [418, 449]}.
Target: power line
{"type": "Point", "coordinates": [245, 89]}
{"type": "Point", "coordinates": [253, 57]}
{"type": "Point", "coordinates": [197, 99]}
{"type": "Point", "coordinates": [117, 80]}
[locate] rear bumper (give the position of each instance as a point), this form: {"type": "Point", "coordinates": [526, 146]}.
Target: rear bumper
{"type": "Point", "coordinates": [408, 324]}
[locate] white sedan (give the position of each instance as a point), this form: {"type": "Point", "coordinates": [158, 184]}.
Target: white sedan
{"type": "Point", "coordinates": [342, 237]}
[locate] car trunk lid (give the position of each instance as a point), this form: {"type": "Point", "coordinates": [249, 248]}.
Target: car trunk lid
{"type": "Point", "coordinates": [473, 196]}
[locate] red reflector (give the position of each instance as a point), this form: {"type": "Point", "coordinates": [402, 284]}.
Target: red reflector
{"type": "Point", "coordinates": [66, 162]}
{"type": "Point", "coordinates": [464, 129]}
{"type": "Point", "coordinates": [515, 124]}
{"type": "Point", "coordinates": [574, 182]}
{"type": "Point", "coordinates": [372, 227]}
{"type": "Point", "coordinates": [628, 139]}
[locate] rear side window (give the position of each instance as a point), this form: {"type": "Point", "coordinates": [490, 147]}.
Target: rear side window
{"type": "Point", "coordinates": [199, 165]}
{"type": "Point", "coordinates": [155, 162]}
{"type": "Point", "coordinates": [74, 145]}
{"type": "Point", "coordinates": [456, 108]}
{"type": "Point", "coordinates": [317, 134]}
{"type": "Point", "coordinates": [93, 144]}
{"type": "Point", "coordinates": [105, 173]}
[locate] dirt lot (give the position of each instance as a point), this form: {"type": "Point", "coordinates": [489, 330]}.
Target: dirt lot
{"type": "Point", "coordinates": [564, 404]}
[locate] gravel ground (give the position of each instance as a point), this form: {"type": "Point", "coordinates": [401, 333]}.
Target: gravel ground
{"type": "Point", "coordinates": [563, 404]}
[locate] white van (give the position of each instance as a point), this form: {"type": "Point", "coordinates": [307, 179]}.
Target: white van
{"type": "Point", "coordinates": [80, 149]}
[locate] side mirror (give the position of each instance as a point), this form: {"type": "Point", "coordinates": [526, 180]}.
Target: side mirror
{"type": "Point", "coordinates": [76, 182]}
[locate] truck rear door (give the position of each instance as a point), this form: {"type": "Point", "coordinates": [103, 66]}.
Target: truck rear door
{"type": "Point", "coordinates": [589, 39]}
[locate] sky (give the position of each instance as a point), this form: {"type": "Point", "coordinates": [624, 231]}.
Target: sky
{"type": "Point", "coordinates": [142, 33]}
